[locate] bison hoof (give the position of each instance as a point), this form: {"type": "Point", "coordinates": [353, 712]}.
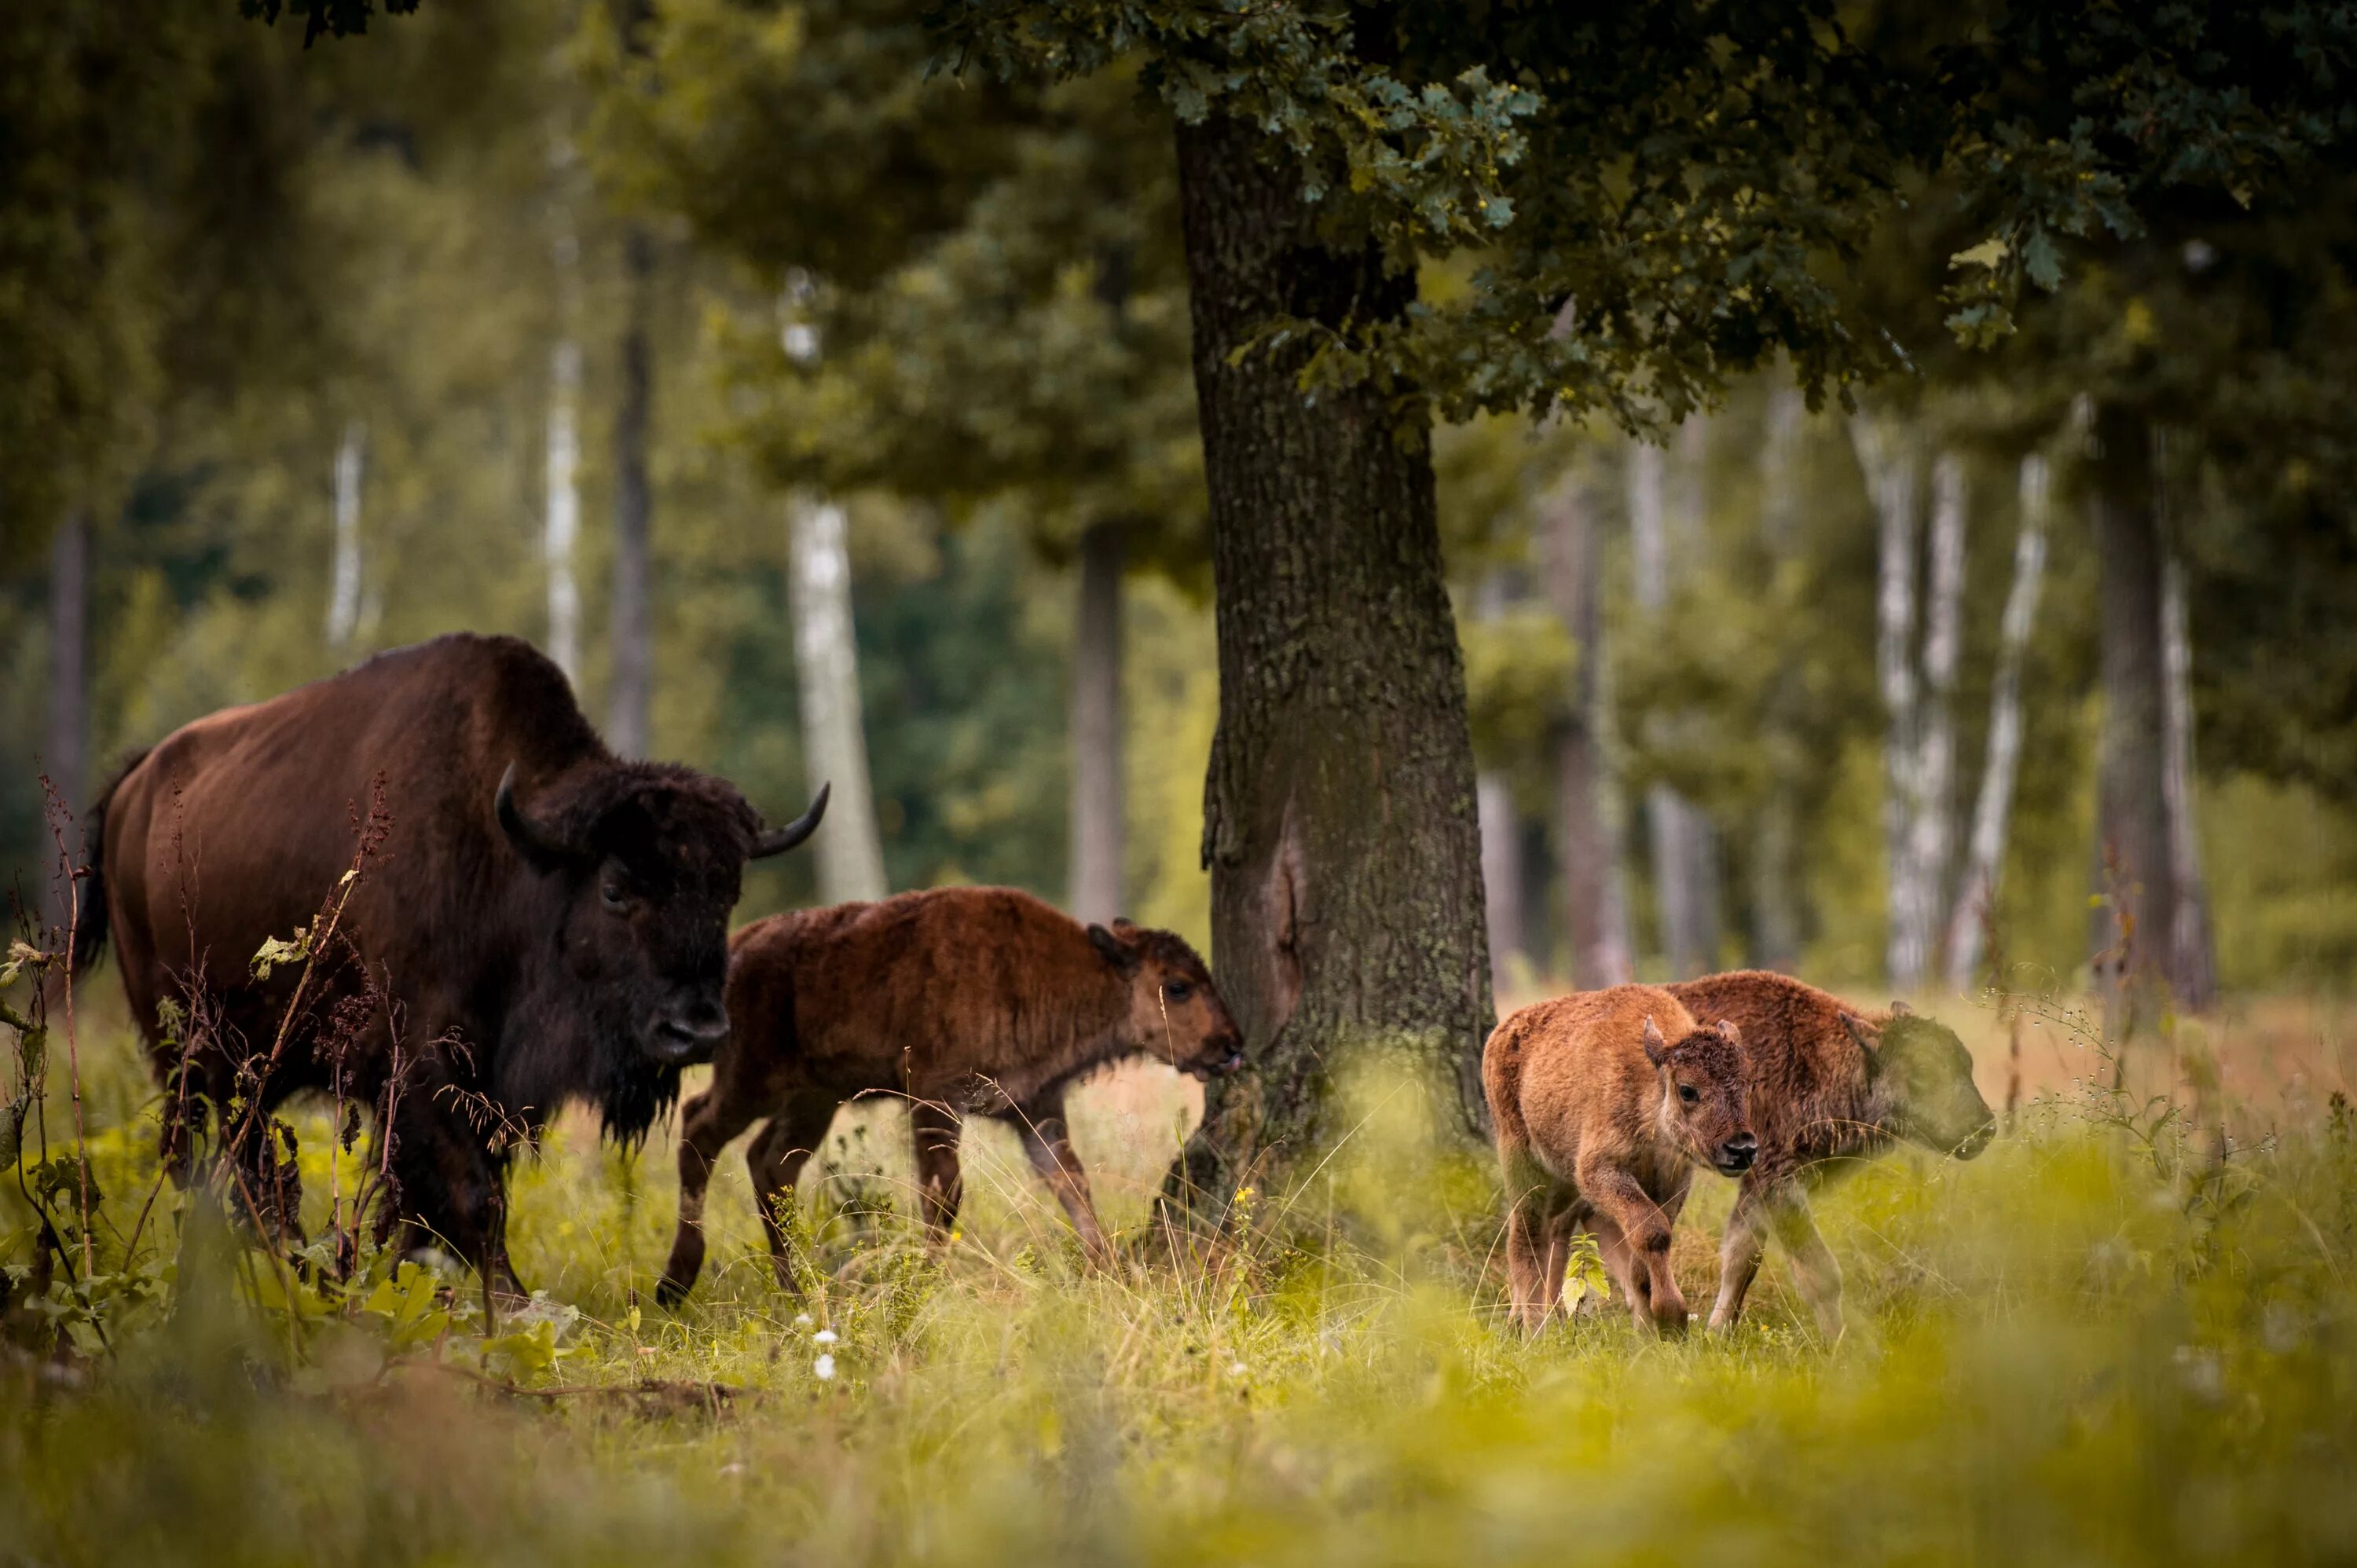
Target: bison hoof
{"type": "Point", "coordinates": [670, 1292]}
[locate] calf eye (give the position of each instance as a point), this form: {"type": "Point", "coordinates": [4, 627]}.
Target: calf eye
{"type": "Point", "coordinates": [1686, 1092]}
{"type": "Point", "coordinates": [1178, 991]}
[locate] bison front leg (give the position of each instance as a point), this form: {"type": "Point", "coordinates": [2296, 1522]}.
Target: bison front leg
{"type": "Point", "coordinates": [1739, 1252]}
{"type": "Point", "coordinates": [1041, 1127]}
{"type": "Point", "coordinates": [453, 1191]}
{"type": "Point", "coordinates": [940, 1186]}
{"type": "Point", "coordinates": [708, 1125]}
{"type": "Point", "coordinates": [1814, 1268]}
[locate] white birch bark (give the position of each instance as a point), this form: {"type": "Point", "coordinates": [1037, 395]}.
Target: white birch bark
{"type": "Point", "coordinates": [1929, 831]}
{"type": "Point", "coordinates": [1685, 868]}
{"type": "Point", "coordinates": [563, 526]}
{"type": "Point", "coordinates": [826, 663]}
{"type": "Point", "coordinates": [1984, 856]}
{"type": "Point", "coordinates": [344, 581]}
{"type": "Point", "coordinates": [1098, 811]}
{"type": "Point", "coordinates": [1775, 848]}
{"type": "Point", "coordinates": [1888, 457]}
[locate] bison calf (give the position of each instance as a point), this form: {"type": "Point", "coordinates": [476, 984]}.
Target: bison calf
{"type": "Point", "coordinates": [959, 999]}
{"type": "Point", "coordinates": [1829, 1084]}
{"type": "Point", "coordinates": [1604, 1102]}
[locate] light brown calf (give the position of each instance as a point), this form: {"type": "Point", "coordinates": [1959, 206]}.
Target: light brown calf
{"type": "Point", "coordinates": [957, 1000]}
{"type": "Point", "coordinates": [1604, 1102]}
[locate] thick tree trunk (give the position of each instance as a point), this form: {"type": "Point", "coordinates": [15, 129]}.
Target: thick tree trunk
{"type": "Point", "coordinates": [344, 581]}
{"type": "Point", "coordinates": [1340, 823]}
{"type": "Point", "coordinates": [826, 663]}
{"type": "Point", "coordinates": [1776, 835]}
{"type": "Point", "coordinates": [2193, 953]}
{"type": "Point", "coordinates": [2133, 923]}
{"type": "Point", "coordinates": [564, 521]}
{"type": "Point", "coordinates": [1684, 845]}
{"type": "Point", "coordinates": [632, 635]}
{"type": "Point", "coordinates": [1930, 830]}
{"type": "Point", "coordinates": [1976, 890]}
{"type": "Point", "coordinates": [1887, 456]}
{"type": "Point", "coordinates": [66, 760]}
{"type": "Point", "coordinates": [1097, 798]}
{"type": "Point", "coordinates": [1594, 864]}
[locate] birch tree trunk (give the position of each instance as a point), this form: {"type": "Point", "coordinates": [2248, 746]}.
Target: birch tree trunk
{"type": "Point", "coordinates": [344, 581]}
{"type": "Point", "coordinates": [1684, 851]}
{"type": "Point", "coordinates": [826, 663]}
{"type": "Point", "coordinates": [66, 760]}
{"type": "Point", "coordinates": [1888, 457]}
{"type": "Point", "coordinates": [2135, 916]}
{"type": "Point", "coordinates": [564, 521]}
{"type": "Point", "coordinates": [1098, 808]}
{"type": "Point", "coordinates": [1594, 862]}
{"type": "Point", "coordinates": [632, 623]}
{"type": "Point", "coordinates": [1976, 889]}
{"type": "Point", "coordinates": [1929, 833]}
{"type": "Point", "coordinates": [1775, 848]}
{"type": "Point", "coordinates": [2192, 956]}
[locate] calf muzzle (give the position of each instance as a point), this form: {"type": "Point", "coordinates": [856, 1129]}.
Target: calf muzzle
{"type": "Point", "coordinates": [1735, 1157]}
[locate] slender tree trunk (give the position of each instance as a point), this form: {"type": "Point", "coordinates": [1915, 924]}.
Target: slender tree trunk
{"type": "Point", "coordinates": [827, 662]}
{"type": "Point", "coordinates": [1683, 848]}
{"type": "Point", "coordinates": [2134, 922]}
{"type": "Point", "coordinates": [1776, 836]}
{"type": "Point", "coordinates": [1594, 864]}
{"type": "Point", "coordinates": [67, 761]}
{"type": "Point", "coordinates": [1099, 809]}
{"type": "Point", "coordinates": [1888, 457]}
{"type": "Point", "coordinates": [1976, 890]}
{"type": "Point", "coordinates": [1501, 832]}
{"type": "Point", "coordinates": [632, 634]}
{"type": "Point", "coordinates": [344, 585]}
{"type": "Point", "coordinates": [1930, 830]}
{"type": "Point", "coordinates": [1340, 823]}
{"type": "Point", "coordinates": [2192, 954]}
{"type": "Point", "coordinates": [564, 521]}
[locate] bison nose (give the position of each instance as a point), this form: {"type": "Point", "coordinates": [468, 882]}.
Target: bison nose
{"type": "Point", "coordinates": [689, 1036]}
{"type": "Point", "coordinates": [1735, 1155]}
{"type": "Point", "coordinates": [1978, 1141]}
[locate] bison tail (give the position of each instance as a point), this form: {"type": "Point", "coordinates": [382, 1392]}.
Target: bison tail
{"type": "Point", "coordinates": [90, 883]}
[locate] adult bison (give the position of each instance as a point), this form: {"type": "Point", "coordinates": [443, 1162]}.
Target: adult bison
{"type": "Point", "coordinates": [543, 921]}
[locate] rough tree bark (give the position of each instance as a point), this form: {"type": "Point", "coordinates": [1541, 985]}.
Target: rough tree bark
{"type": "Point", "coordinates": [344, 580]}
{"type": "Point", "coordinates": [1887, 456]}
{"type": "Point", "coordinates": [1976, 889]}
{"type": "Point", "coordinates": [826, 665]}
{"type": "Point", "coordinates": [1340, 823]}
{"type": "Point", "coordinates": [1594, 863]}
{"type": "Point", "coordinates": [1097, 798]}
{"type": "Point", "coordinates": [632, 615]}
{"type": "Point", "coordinates": [67, 758]}
{"type": "Point", "coordinates": [1776, 841]}
{"type": "Point", "coordinates": [2133, 923]}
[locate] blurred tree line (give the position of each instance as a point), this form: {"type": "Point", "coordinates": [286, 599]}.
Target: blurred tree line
{"type": "Point", "coordinates": [571, 320]}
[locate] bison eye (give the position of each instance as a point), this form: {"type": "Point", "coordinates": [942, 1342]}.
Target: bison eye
{"type": "Point", "coordinates": [1178, 991]}
{"type": "Point", "coordinates": [614, 895]}
{"type": "Point", "coordinates": [1686, 1092]}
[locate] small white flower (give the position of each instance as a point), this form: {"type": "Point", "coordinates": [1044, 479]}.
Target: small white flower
{"type": "Point", "coordinates": [1235, 1368]}
{"type": "Point", "coordinates": [824, 1336]}
{"type": "Point", "coordinates": [801, 1320]}
{"type": "Point", "coordinates": [824, 1367]}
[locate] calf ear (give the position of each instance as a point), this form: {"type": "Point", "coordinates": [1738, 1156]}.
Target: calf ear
{"type": "Point", "coordinates": [1902, 1010]}
{"type": "Point", "coordinates": [1111, 949]}
{"type": "Point", "coordinates": [1866, 1036]}
{"type": "Point", "coordinates": [1655, 1046]}
{"type": "Point", "coordinates": [1729, 1033]}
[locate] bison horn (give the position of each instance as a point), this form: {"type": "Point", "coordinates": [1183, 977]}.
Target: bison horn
{"type": "Point", "coordinates": [776, 841]}
{"type": "Point", "coordinates": [530, 841]}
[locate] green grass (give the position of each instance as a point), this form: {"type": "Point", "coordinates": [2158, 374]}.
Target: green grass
{"type": "Point", "coordinates": [2087, 1346]}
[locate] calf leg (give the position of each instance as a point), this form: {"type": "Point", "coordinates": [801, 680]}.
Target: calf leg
{"type": "Point", "coordinates": [707, 1123]}
{"type": "Point", "coordinates": [1645, 1227]}
{"type": "Point", "coordinates": [1042, 1129]}
{"type": "Point", "coordinates": [1814, 1268]}
{"type": "Point", "coordinates": [1738, 1256]}
{"type": "Point", "coordinates": [939, 1187]}
{"type": "Point", "coordinates": [776, 1157]}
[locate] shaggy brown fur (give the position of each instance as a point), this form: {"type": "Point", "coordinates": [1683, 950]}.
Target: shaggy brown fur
{"type": "Point", "coordinates": [1604, 1102]}
{"type": "Point", "coordinates": [1829, 1083]}
{"type": "Point", "coordinates": [959, 999]}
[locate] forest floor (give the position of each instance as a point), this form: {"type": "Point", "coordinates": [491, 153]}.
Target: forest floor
{"type": "Point", "coordinates": [2095, 1343]}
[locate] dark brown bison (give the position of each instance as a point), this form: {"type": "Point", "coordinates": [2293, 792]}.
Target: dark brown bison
{"type": "Point", "coordinates": [1829, 1084]}
{"type": "Point", "coordinates": [545, 922]}
{"type": "Point", "coordinates": [956, 999]}
{"type": "Point", "coordinates": [1604, 1102]}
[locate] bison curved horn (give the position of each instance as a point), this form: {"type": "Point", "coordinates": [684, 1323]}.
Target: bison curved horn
{"type": "Point", "coordinates": [534, 844]}
{"type": "Point", "coordinates": [776, 841]}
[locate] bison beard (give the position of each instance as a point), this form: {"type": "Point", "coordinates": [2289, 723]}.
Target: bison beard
{"type": "Point", "coordinates": [546, 923]}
